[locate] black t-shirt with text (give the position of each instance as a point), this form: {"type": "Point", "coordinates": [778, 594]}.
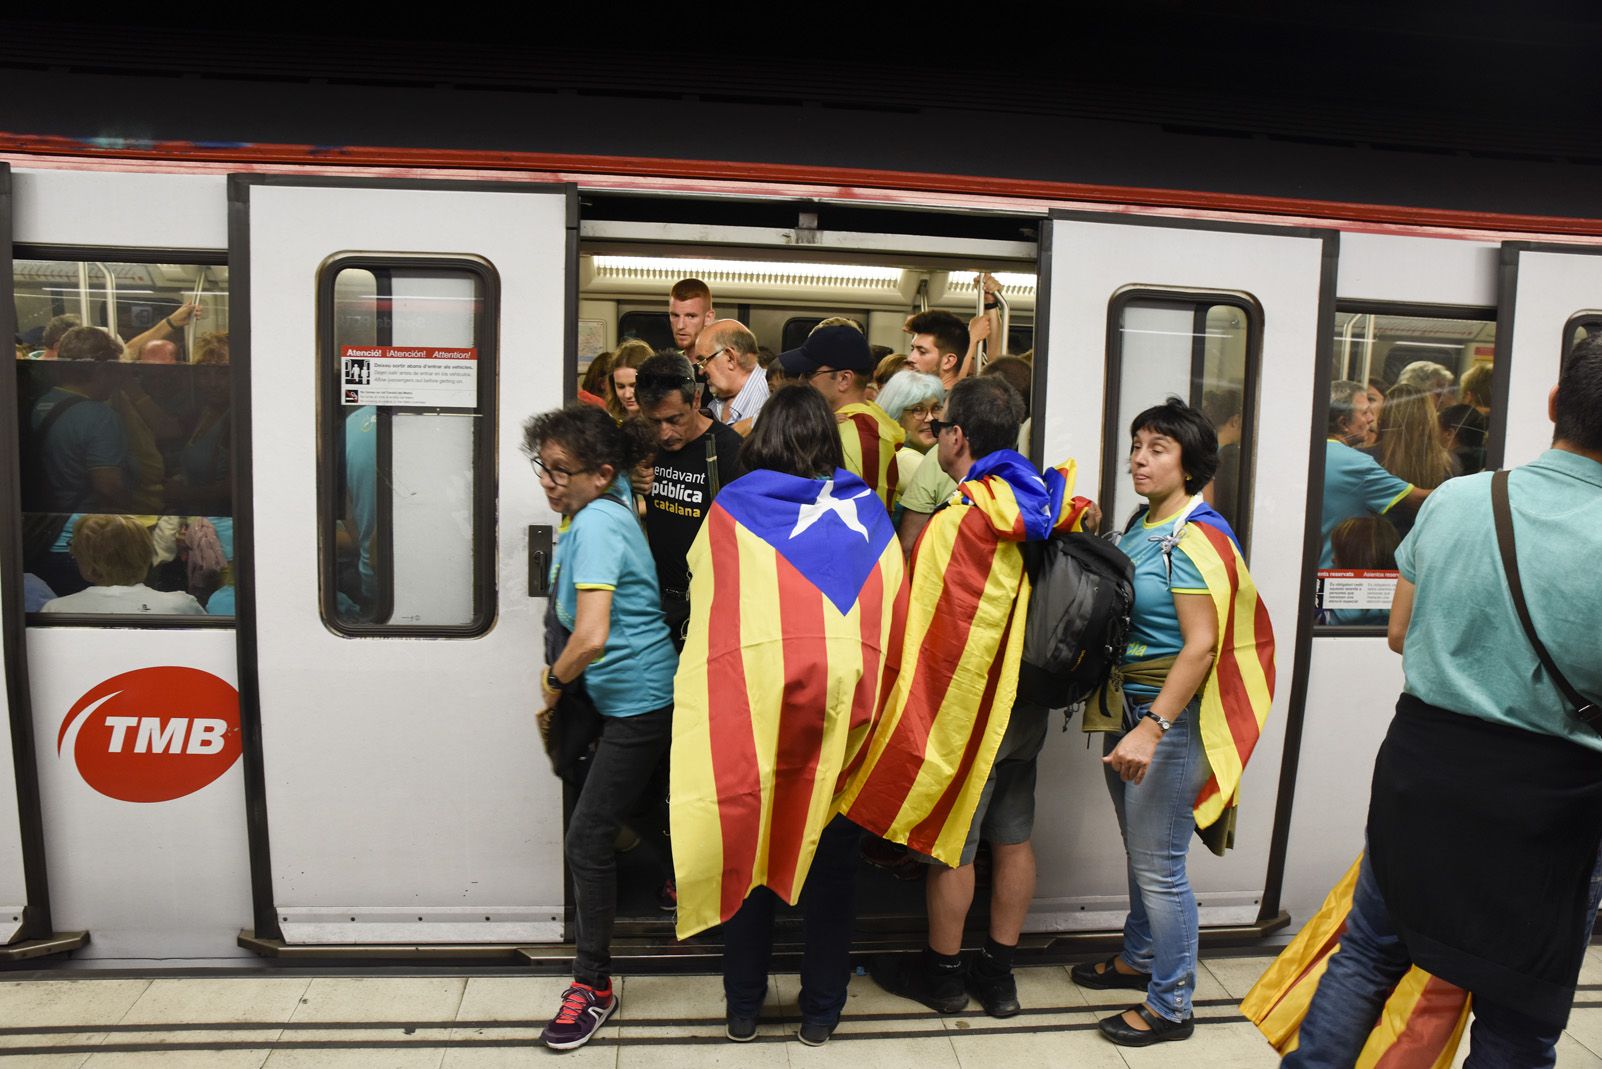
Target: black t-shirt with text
{"type": "Point", "coordinates": [679, 501]}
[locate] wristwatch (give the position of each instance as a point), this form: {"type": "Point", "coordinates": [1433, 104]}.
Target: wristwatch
{"type": "Point", "coordinates": [1159, 721]}
{"type": "Point", "coordinates": [552, 683]}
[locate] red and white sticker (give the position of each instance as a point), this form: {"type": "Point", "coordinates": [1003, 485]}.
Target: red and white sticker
{"type": "Point", "coordinates": [154, 734]}
{"type": "Point", "coordinates": [1356, 588]}
{"type": "Point", "coordinates": [425, 376]}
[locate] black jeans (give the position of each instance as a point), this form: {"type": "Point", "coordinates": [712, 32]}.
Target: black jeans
{"type": "Point", "coordinates": [828, 904]}
{"type": "Point", "coordinates": [627, 753]}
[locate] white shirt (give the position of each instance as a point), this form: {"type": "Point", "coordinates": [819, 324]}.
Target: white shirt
{"type": "Point", "coordinates": [126, 600]}
{"type": "Point", "coordinates": [745, 404]}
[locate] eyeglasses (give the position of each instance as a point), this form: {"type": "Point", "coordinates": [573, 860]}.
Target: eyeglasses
{"type": "Point", "coordinates": [815, 372]}
{"type": "Point", "coordinates": [703, 361]}
{"type": "Point", "coordinates": [937, 427]}
{"type": "Point", "coordinates": [559, 476]}
{"type": "Point", "coordinates": [921, 412]}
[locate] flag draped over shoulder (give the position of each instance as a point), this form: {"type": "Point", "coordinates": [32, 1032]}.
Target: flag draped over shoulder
{"type": "Point", "coordinates": [1240, 687]}
{"type": "Point", "coordinates": [950, 684]}
{"type": "Point", "coordinates": [869, 439]}
{"type": "Point", "coordinates": [1419, 1028]}
{"type": "Point", "coordinates": [793, 592]}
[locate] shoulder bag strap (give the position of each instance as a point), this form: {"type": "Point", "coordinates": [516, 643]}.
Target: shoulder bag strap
{"type": "Point", "coordinates": [714, 481]}
{"type": "Point", "coordinates": [1502, 512]}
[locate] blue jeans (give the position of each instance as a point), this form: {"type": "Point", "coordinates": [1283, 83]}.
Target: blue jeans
{"type": "Point", "coordinates": [828, 905]}
{"type": "Point", "coordinates": [1370, 962]}
{"type": "Point", "coordinates": [1156, 821]}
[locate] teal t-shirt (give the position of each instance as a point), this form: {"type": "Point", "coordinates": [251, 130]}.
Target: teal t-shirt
{"type": "Point", "coordinates": [1354, 485]}
{"type": "Point", "coordinates": [1465, 648]}
{"type": "Point", "coordinates": [1154, 627]}
{"type": "Point", "coordinates": [603, 548]}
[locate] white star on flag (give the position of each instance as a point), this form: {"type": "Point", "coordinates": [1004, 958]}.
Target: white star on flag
{"type": "Point", "coordinates": [826, 502]}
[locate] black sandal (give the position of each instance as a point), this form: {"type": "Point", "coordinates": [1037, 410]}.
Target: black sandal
{"type": "Point", "coordinates": [1106, 978]}
{"type": "Point", "coordinates": [1162, 1030]}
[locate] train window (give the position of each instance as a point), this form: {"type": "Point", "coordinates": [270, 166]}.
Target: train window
{"type": "Point", "coordinates": [406, 461]}
{"type": "Point", "coordinates": [1413, 408]}
{"type": "Point", "coordinates": [1203, 348]}
{"type": "Point", "coordinates": [649, 327]}
{"type": "Point", "coordinates": [125, 423]}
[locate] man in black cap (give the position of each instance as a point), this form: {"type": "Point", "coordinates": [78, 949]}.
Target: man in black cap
{"type": "Point", "coordinates": [838, 363]}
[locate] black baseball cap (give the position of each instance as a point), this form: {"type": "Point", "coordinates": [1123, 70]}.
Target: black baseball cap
{"type": "Point", "coordinates": [842, 348]}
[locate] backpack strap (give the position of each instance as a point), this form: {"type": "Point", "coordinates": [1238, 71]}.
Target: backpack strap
{"type": "Point", "coordinates": [1502, 511]}
{"type": "Point", "coordinates": [714, 480]}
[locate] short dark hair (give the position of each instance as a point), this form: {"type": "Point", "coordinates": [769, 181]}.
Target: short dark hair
{"type": "Point", "coordinates": [988, 410]}
{"type": "Point", "coordinates": [88, 343]}
{"type": "Point", "coordinates": [950, 333]}
{"type": "Point", "coordinates": [1018, 372]}
{"type": "Point", "coordinates": [1579, 396]}
{"type": "Point", "coordinates": [586, 432]}
{"type": "Point", "coordinates": [665, 374]}
{"type": "Point", "coordinates": [642, 436]}
{"type": "Point", "coordinates": [1198, 442]}
{"type": "Point", "coordinates": [1221, 405]}
{"type": "Point", "coordinates": [58, 326]}
{"type": "Point", "coordinates": [795, 433]}
{"type": "Point", "coordinates": [1341, 409]}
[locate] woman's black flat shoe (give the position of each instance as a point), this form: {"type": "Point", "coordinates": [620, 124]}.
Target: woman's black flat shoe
{"type": "Point", "coordinates": [1162, 1030]}
{"type": "Point", "coordinates": [1085, 974]}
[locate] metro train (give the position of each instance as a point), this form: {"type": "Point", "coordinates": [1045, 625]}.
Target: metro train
{"type": "Point", "coordinates": [287, 777]}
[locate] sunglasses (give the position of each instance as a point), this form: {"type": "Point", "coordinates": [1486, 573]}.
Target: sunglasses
{"type": "Point", "coordinates": [654, 381]}
{"type": "Point", "coordinates": [937, 426]}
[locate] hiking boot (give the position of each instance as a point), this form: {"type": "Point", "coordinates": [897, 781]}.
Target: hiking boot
{"type": "Point", "coordinates": [911, 977]}
{"type": "Point", "coordinates": [583, 1011]}
{"type": "Point", "coordinates": [996, 991]}
{"type": "Point", "coordinates": [815, 1033]}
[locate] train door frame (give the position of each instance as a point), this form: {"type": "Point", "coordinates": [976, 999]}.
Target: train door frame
{"type": "Point", "coordinates": [1269, 916]}
{"type": "Point", "coordinates": [1518, 341]}
{"type": "Point", "coordinates": [267, 936]}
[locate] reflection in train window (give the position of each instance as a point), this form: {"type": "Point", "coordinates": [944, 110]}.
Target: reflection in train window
{"type": "Point", "coordinates": [1204, 349]}
{"type": "Point", "coordinates": [125, 400]}
{"type": "Point", "coordinates": [1409, 408]}
{"type": "Point", "coordinates": [405, 491]}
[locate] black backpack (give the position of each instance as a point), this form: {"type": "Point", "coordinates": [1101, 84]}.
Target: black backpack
{"type": "Point", "coordinates": [1078, 623]}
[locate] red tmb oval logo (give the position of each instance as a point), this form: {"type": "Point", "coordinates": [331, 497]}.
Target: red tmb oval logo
{"type": "Point", "coordinates": [154, 734]}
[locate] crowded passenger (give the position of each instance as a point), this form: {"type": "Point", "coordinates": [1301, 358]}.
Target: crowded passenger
{"type": "Point", "coordinates": [78, 442]}
{"type": "Point", "coordinates": [1020, 375]}
{"type": "Point", "coordinates": [114, 555]}
{"type": "Point", "coordinates": [939, 345]}
{"type": "Point", "coordinates": [54, 331]}
{"type": "Point", "coordinates": [953, 759]}
{"type": "Point", "coordinates": [689, 311]}
{"type": "Point", "coordinates": [835, 361]}
{"type": "Point", "coordinates": [604, 624]}
{"type": "Point", "coordinates": [725, 353]}
{"type": "Point", "coordinates": [1363, 544]}
{"type": "Point", "coordinates": [1434, 379]}
{"type": "Point", "coordinates": [913, 400]}
{"type": "Point", "coordinates": [696, 457]}
{"type": "Point", "coordinates": [792, 687]}
{"type": "Point", "coordinates": [1176, 738]}
{"type": "Point", "coordinates": [593, 385]}
{"type": "Point", "coordinates": [1354, 483]}
{"type": "Point", "coordinates": [623, 376]}
{"type": "Point", "coordinates": [1222, 408]}
{"type": "Point", "coordinates": [1485, 807]}
{"type": "Point", "coordinates": [1411, 446]}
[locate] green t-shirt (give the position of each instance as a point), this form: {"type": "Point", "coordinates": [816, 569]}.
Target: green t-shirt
{"type": "Point", "coordinates": [930, 486]}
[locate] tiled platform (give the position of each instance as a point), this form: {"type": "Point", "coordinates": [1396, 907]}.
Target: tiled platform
{"type": "Point", "coordinates": [464, 1021]}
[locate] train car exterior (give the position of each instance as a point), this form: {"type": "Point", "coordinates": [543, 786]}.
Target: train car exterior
{"type": "Point", "coordinates": [301, 778]}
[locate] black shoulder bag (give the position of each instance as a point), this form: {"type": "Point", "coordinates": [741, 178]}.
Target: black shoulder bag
{"type": "Point", "coordinates": [1584, 708]}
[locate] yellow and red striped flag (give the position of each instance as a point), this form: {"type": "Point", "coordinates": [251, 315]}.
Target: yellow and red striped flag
{"type": "Point", "coordinates": [793, 595]}
{"type": "Point", "coordinates": [869, 439]}
{"type": "Point", "coordinates": [951, 685]}
{"type": "Point", "coordinates": [1240, 687]}
{"type": "Point", "coordinates": [1422, 1021]}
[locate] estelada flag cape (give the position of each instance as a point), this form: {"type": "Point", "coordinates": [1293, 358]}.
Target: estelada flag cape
{"type": "Point", "coordinates": [1419, 1028]}
{"type": "Point", "coordinates": [869, 439]}
{"type": "Point", "coordinates": [793, 591]}
{"type": "Point", "coordinates": [950, 686]}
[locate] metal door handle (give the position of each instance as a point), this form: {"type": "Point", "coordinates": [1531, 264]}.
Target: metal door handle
{"type": "Point", "coordinates": [539, 557]}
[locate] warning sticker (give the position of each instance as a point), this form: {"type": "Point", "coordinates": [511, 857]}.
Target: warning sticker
{"type": "Point", "coordinates": [409, 375]}
{"type": "Point", "coordinates": [1349, 589]}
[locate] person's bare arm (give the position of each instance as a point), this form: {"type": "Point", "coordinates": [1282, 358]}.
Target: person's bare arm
{"type": "Point", "coordinates": [912, 525]}
{"type": "Point", "coordinates": [165, 328]}
{"type": "Point", "coordinates": [1198, 625]}
{"type": "Point", "coordinates": [1401, 614]}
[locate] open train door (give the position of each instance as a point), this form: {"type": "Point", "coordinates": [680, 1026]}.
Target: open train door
{"type": "Point", "coordinates": [1137, 309]}
{"type": "Point", "coordinates": [1551, 297]}
{"type": "Point", "coordinates": [393, 545]}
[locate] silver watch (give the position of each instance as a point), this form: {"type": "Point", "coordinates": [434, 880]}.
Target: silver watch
{"type": "Point", "coordinates": [1161, 723]}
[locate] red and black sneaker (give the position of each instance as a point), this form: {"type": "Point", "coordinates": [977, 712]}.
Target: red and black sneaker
{"type": "Point", "coordinates": [584, 1010]}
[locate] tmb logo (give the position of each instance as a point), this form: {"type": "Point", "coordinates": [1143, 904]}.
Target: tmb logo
{"type": "Point", "coordinates": [154, 734]}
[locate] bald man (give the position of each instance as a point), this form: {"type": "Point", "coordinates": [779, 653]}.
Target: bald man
{"type": "Point", "coordinates": [158, 352]}
{"type": "Point", "coordinates": [726, 352]}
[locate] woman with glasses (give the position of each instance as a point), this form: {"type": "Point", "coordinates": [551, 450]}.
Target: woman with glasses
{"type": "Point", "coordinates": [604, 631]}
{"type": "Point", "coordinates": [912, 399]}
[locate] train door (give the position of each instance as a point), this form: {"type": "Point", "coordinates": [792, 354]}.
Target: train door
{"type": "Point", "coordinates": [392, 591]}
{"type": "Point", "coordinates": [1551, 299]}
{"type": "Point", "coordinates": [1231, 319]}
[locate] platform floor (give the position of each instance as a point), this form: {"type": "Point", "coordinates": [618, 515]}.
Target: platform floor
{"type": "Point", "coordinates": [451, 1021]}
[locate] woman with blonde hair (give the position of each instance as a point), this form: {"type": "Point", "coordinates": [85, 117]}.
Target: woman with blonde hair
{"type": "Point", "coordinates": [1410, 445]}
{"type": "Point", "coordinates": [626, 361]}
{"type": "Point", "coordinates": [114, 554]}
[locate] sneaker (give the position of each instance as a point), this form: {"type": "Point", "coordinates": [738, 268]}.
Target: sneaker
{"type": "Point", "coordinates": [815, 1033]}
{"type": "Point", "coordinates": [583, 1011]}
{"type": "Point", "coordinates": [907, 975]}
{"type": "Point", "coordinates": [997, 992]}
{"type": "Point", "coordinates": [740, 1029]}
{"type": "Point", "coordinates": [667, 896]}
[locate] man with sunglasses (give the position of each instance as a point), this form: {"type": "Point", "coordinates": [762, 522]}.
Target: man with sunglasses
{"type": "Point", "coordinates": [726, 355]}
{"type": "Point", "coordinates": [696, 455]}
{"type": "Point", "coordinates": [837, 362]}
